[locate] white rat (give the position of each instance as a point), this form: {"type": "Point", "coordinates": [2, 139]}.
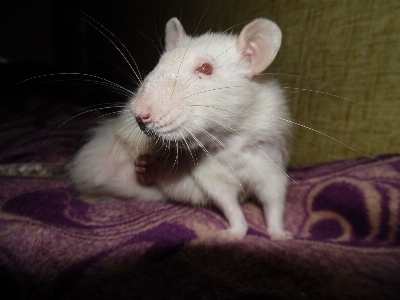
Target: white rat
{"type": "Point", "coordinates": [201, 129]}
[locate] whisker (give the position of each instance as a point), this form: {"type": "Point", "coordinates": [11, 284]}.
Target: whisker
{"type": "Point", "coordinates": [187, 48]}
{"type": "Point", "coordinates": [175, 164]}
{"type": "Point", "coordinates": [149, 40]}
{"type": "Point", "coordinates": [215, 141]}
{"type": "Point", "coordinates": [87, 123]}
{"type": "Point", "coordinates": [326, 135]}
{"type": "Point", "coordinates": [187, 146]}
{"type": "Point", "coordinates": [103, 87]}
{"type": "Point", "coordinates": [130, 125]}
{"type": "Point", "coordinates": [320, 92]}
{"type": "Point", "coordinates": [75, 116]}
{"type": "Point", "coordinates": [129, 75]}
{"type": "Point", "coordinates": [211, 90]}
{"type": "Point", "coordinates": [80, 74]}
{"type": "Point", "coordinates": [304, 126]}
{"type": "Point", "coordinates": [241, 23]}
{"type": "Point", "coordinates": [250, 143]}
{"type": "Point", "coordinates": [201, 19]}
{"type": "Point", "coordinates": [155, 27]}
{"type": "Point", "coordinates": [237, 43]}
{"type": "Point", "coordinates": [214, 138]}
{"type": "Point", "coordinates": [291, 75]}
{"type": "Point", "coordinates": [138, 75]}
{"type": "Point", "coordinates": [99, 117]}
{"type": "Point", "coordinates": [211, 158]}
{"type": "Point", "coordinates": [186, 86]}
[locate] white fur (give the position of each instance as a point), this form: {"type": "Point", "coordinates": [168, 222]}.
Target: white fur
{"type": "Point", "coordinates": [231, 121]}
{"type": "Point", "coordinates": [105, 167]}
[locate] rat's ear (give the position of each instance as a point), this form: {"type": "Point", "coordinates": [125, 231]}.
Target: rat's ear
{"type": "Point", "coordinates": [259, 42]}
{"type": "Point", "coordinates": [174, 34]}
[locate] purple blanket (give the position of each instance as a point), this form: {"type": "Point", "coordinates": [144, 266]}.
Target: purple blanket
{"type": "Point", "coordinates": [345, 218]}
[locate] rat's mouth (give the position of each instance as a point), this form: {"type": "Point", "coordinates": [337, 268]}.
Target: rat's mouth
{"type": "Point", "coordinates": [161, 133]}
{"type": "Point", "coordinates": [147, 130]}
{"type": "Point", "coordinates": [142, 126]}
{"type": "Point", "coordinates": [169, 136]}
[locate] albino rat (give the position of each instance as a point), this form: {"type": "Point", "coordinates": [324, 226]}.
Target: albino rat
{"type": "Point", "coordinates": [201, 129]}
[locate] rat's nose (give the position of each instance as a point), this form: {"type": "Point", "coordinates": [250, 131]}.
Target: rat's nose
{"type": "Point", "coordinates": [143, 119]}
{"type": "Point", "coordinates": [143, 113]}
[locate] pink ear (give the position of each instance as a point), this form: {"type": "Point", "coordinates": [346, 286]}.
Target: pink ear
{"type": "Point", "coordinates": [259, 41]}
{"type": "Point", "coordinates": [174, 34]}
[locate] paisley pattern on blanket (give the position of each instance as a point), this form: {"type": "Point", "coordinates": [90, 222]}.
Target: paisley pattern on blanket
{"type": "Point", "coordinates": [354, 201]}
{"type": "Point", "coordinates": [345, 218]}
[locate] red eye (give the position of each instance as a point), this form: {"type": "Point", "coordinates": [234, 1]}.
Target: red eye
{"type": "Point", "coordinates": [206, 69]}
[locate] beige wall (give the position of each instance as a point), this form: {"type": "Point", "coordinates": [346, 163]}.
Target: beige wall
{"type": "Point", "coordinates": [350, 49]}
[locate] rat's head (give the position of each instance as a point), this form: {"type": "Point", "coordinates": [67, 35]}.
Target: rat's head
{"type": "Point", "coordinates": [201, 85]}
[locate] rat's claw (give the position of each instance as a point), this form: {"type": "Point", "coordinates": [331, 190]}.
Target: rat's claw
{"type": "Point", "coordinates": [146, 169]}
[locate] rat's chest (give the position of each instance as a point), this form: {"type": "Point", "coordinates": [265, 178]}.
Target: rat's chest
{"type": "Point", "coordinates": [196, 175]}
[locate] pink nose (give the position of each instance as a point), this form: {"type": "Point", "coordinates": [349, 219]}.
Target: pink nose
{"type": "Point", "coordinates": [144, 118]}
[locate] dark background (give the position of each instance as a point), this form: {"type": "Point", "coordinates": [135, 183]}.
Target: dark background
{"type": "Point", "coordinates": [52, 36]}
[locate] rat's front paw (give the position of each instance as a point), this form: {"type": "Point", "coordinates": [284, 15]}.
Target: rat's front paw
{"type": "Point", "coordinates": [146, 169]}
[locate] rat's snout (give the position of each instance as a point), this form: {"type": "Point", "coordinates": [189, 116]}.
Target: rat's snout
{"type": "Point", "coordinates": [143, 119]}
{"type": "Point", "coordinates": [143, 110]}
{"type": "Point", "coordinates": [143, 116]}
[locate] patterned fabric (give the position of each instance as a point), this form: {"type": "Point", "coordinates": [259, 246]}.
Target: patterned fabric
{"type": "Point", "coordinates": [344, 217]}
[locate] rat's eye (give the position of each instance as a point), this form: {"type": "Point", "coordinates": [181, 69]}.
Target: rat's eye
{"type": "Point", "coordinates": [206, 69]}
